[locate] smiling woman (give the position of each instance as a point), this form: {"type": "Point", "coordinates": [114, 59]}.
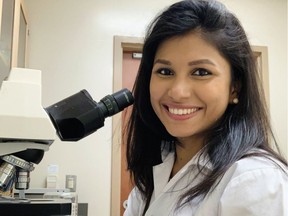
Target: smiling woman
{"type": "Point", "coordinates": [190, 75]}
{"type": "Point", "coordinates": [199, 134]}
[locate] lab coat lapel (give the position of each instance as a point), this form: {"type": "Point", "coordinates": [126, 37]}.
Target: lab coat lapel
{"type": "Point", "coordinates": [161, 174]}
{"type": "Point", "coordinates": [166, 192]}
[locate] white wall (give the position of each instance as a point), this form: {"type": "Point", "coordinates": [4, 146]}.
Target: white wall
{"type": "Point", "coordinates": [71, 41]}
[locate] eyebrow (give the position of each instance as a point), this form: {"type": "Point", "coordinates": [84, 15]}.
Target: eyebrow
{"type": "Point", "coordinates": [191, 63]}
{"type": "Point", "coordinates": [201, 61]}
{"type": "Point", "coordinates": [162, 61]}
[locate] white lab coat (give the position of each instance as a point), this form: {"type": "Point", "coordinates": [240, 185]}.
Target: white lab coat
{"type": "Point", "coordinates": [251, 187]}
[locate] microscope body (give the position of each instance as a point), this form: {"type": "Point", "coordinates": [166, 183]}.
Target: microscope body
{"type": "Point", "coordinates": [27, 129]}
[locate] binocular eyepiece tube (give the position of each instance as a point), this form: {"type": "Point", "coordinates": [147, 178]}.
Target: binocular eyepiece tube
{"type": "Point", "coordinates": [79, 115]}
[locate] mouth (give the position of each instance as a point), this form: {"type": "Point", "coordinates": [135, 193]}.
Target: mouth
{"type": "Point", "coordinates": [177, 111]}
{"type": "Point", "coordinates": [181, 111]}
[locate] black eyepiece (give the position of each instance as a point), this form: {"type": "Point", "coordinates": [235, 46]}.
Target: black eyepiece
{"type": "Point", "coordinates": [79, 115]}
{"type": "Point", "coordinates": [112, 104]}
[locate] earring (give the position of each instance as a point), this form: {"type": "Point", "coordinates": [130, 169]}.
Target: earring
{"type": "Point", "coordinates": [236, 100]}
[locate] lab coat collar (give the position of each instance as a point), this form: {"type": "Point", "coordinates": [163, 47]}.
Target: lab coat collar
{"type": "Point", "coordinates": [161, 172]}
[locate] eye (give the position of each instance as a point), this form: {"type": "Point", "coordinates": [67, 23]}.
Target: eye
{"type": "Point", "coordinates": [164, 72]}
{"type": "Point", "coordinates": [201, 72]}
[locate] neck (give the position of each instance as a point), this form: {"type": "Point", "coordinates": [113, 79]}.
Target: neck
{"type": "Point", "coordinates": [185, 151]}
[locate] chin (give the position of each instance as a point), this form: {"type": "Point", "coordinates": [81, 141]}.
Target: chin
{"type": "Point", "coordinates": [180, 134]}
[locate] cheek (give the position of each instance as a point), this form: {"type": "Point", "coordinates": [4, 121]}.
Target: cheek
{"type": "Point", "coordinates": [154, 94]}
{"type": "Point", "coordinates": [216, 100]}
{"type": "Point", "coordinates": [153, 100]}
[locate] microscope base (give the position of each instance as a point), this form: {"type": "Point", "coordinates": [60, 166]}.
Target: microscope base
{"type": "Point", "coordinates": [35, 207]}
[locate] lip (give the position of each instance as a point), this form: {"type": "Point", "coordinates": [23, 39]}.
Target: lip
{"type": "Point", "coordinates": [181, 112]}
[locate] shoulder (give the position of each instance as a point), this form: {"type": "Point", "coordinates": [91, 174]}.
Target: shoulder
{"type": "Point", "coordinates": [135, 203]}
{"type": "Point", "coordinates": [254, 186]}
{"type": "Point", "coordinates": [256, 169]}
{"type": "Point", "coordinates": [258, 166]}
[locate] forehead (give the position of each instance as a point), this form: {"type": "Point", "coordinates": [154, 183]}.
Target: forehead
{"type": "Point", "coordinates": [190, 45]}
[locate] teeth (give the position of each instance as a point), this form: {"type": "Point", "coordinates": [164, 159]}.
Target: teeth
{"type": "Point", "coordinates": [182, 111]}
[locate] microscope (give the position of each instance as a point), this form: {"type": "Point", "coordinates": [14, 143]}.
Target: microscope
{"type": "Point", "coordinates": [27, 129]}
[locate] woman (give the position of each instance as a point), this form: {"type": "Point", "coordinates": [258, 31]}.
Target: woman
{"type": "Point", "coordinates": [199, 135]}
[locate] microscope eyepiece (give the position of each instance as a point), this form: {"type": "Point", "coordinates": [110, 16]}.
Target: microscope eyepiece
{"type": "Point", "coordinates": [79, 115]}
{"type": "Point", "coordinates": [112, 104]}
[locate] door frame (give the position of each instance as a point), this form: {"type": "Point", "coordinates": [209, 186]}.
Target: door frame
{"type": "Point", "coordinates": [135, 44]}
{"type": "Point", "coordinates": [121, 44]}
{"type": "Point", "coordinates": [261, 53]}
{"type": "Point", "coordinates": [19, 8]}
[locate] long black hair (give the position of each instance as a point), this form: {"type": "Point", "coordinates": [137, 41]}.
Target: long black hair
{"type": "Point", "coordinates": [243, 127]}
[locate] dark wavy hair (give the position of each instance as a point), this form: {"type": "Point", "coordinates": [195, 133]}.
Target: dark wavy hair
{"type": "Point", "coordinates": [243, 127]}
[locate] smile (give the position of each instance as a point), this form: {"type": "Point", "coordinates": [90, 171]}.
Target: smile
{"type": "Point", "coordinates": [177, 111]}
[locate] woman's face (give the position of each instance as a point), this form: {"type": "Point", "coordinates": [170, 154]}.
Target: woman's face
{"type": "Point", "coordinates": [190, 85]}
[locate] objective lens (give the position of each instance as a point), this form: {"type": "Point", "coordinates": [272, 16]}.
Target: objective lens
{"type": "Point", "coordinates": [22, 179]}
{"type": "Point", "coordinates": [7, 173]}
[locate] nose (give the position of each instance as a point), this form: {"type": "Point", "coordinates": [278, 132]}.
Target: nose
{"type": "Point", "coordinates": [180, 89]}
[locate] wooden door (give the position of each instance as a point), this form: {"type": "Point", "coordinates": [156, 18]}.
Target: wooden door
{"type": "Point", "coordinates": [129, 72]}
{"type": "Point", "coordinates": [121, 79]}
